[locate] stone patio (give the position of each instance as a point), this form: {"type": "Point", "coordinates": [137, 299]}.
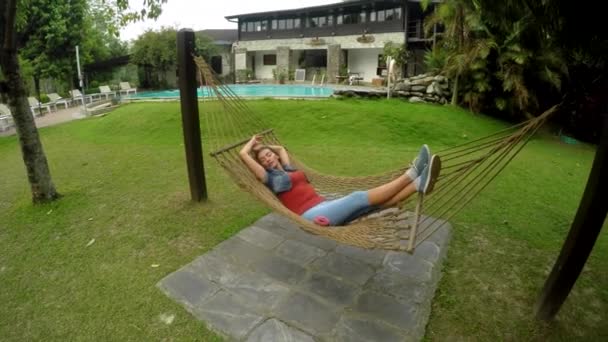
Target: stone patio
{"type": "Point", "coordinates": [274, 282]}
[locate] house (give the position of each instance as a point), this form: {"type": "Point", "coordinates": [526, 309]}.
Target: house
{"type": "Point", "coordinates": [334, 39]}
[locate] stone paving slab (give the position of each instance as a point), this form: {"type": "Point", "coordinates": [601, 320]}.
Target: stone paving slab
{"type": "Point", "coordinates": [274, 282]}
{"type": "Point", "coordinates": [275, 330]}
{"type": "Point", "coordinates": [309, 313]}
{"type": "Point", "coordinates": [338, 292]}
{"type": "Point", "coordinates": [364, 330]}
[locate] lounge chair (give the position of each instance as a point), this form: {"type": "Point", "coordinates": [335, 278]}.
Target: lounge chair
{"type": "Point", "coordinates": [56, 99]}
{"type": "Point", "coordinates": [126, 88]}
{"type": "Point", "coordinates": [77, 96]}
{"type": "Point", "coordinates": [35, 104]}
{"type": "Point", "coordinates": [6, 119]}
{"type": "Point", "coordinates": [106, 91]}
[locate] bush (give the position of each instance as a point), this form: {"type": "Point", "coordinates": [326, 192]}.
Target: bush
{"type": "Point", "coordinates": [226, 79]}
{"type": "Point", "coordinates": [91, 90]}
{"type": "Point", "coordinates": [435, 59]}
{"type": "Point", "coordinates": [244, 75]}
{"type": "Point", "coordinates": [44, 98]}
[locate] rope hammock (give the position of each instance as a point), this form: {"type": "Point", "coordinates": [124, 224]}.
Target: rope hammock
{"type": "Point", "coordinates": [466, 170]}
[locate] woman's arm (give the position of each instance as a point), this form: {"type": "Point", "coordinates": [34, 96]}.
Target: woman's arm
{"type": "Point", "coordinates": [282, 152]}
{"type": "Point", "coordinates": [254, 166]}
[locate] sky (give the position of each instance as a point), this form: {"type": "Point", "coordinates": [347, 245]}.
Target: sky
{"type": "Point", "coordinates": [208, 14]}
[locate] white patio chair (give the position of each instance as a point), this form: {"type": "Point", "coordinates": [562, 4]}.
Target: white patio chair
{"type": "Point", "coordinates": [300, 75]}
{"type": "Point", "coordinates": [126, 88]}
{"type": "Point", "coordinates": [56, 99]}
{"type": "Point", "coordinates": [6, 119]}
{"type": "Point", "coordinates": [106, 91]}
{"type": "Point", "coordinates": [36, 105]}
{"type": "Point", "coordinates": [77, 96]}
{"type": "Point", "coordinates": [354, 77]}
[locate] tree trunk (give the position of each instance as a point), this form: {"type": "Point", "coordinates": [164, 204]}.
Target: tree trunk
{"type": "Point", "coordinates": [460, 30]}
{"type": "Point", "coordinates": [455, 91]}
{"type": "Point", "coordinates": [37, 87]}
{"type": "Point", "coordinates": [35, 161]}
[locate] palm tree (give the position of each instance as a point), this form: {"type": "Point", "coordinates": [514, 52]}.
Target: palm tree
{"type": "Point", "coordinates": [496, 53]}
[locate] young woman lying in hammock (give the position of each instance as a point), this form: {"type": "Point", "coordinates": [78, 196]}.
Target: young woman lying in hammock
{"type": "Point", "coordinates": [270, 164]}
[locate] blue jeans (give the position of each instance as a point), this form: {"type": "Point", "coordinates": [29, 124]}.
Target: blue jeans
{"type": "Point", "coordinates": [341, 210]}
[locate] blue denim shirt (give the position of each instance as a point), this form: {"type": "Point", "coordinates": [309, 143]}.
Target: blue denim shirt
{"type": "Point", "coordinates": [278, 180]}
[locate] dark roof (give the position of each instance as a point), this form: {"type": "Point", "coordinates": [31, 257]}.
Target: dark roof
{"type": "Point", "coordinates": [221, 36]}
{"type": "Point", "coordinates": [320, 8]}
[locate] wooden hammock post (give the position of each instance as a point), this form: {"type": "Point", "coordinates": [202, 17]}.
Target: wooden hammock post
{"type": "Point", "coordinates": [414, 229]}
{"type": "Point", "coordinates": [581, 238]}
{"type": "Point", "coordinates": [190, 119]}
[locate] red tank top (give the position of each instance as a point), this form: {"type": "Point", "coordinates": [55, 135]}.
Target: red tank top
{"type": "Point", "coordinates": [302, 196]}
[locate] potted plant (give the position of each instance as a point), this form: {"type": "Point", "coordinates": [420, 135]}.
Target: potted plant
{"type": "Point", "coordinates": [282, 77]}
{"type": "Point", "coordinates": [279, 75]}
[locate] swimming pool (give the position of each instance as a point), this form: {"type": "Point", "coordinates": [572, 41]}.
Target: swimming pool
{"type": "Point", "coordinates": [255, 90]}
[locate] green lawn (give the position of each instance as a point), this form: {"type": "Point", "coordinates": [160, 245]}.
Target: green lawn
{"type": "Point", "coordinates": [124, 183]}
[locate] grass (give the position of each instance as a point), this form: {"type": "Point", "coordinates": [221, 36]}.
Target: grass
{"type": "Point", "coordinates": [124, 183]}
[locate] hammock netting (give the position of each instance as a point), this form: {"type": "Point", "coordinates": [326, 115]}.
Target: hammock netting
{"type": "Point", "coordinates": [466, 170]}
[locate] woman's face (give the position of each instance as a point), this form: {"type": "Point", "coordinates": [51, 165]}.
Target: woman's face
{"type": "Point", "coordinates": [268, 159]}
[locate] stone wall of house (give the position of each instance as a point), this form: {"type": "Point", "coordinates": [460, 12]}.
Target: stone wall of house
{"type": "Point", "coordinates": [345, 42]}
{"type": "Point", "coordinates": [334, 61]}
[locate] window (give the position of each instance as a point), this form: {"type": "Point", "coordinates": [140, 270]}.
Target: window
{"type": "Point", "coordinates": [270, 59]}
{"type": "Point", "coordinates": [380, 15]}
{"type": "Point", "coordinates": [362, 17]}
{"type": "Point", "coordinates": [285, 24]}
{"type": "Point", "coordinates": [385, 14]}
{"type": "Point", "coordinates": [243, 27]}
{"type": "Point", "coordinates": [250, 26]}
{"type": "Point", "coordinates": [350, 18]}
{"type": "Point", "coordinates": [414, 29]}
{"type": "Point", "coordinates": [389, 14]}
{"type": "Point", "coordinates": [323, 21]}
{"type": "Point", "coordinates": [381, 69]}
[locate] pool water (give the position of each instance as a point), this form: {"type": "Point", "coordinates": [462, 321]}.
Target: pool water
{"type": "Point", "coordinates": [249, 91]}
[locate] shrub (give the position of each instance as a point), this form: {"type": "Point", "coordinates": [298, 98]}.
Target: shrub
{"type": "Point", "coordinates": [244, 75]}
{"type": "Point", "coordinates": [435, 59]}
